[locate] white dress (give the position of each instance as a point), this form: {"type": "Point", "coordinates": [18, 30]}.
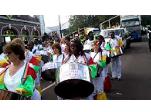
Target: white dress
{"type": "Point", "coordinates": [12, 82]}
{"type": "Point", "coordinates": [80, 59]}
{"type": "Point", "coordinates": [58, 60]}
{"type": "Point", "coordinates": [98, 81]}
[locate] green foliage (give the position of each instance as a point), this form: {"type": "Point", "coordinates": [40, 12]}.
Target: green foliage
{"type": "Point", "coordinates": [146, 20]}
{"type": "Point", "coordinates": [80, 21]}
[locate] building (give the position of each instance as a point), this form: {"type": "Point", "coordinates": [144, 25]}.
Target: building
{"type": "Point", "coordinates": [24, 26]}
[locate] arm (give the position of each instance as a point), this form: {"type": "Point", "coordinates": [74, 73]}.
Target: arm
{"type": "Point", "coordinates": [27, 88]}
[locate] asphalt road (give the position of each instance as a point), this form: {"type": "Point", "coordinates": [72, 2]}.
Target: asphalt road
{"type": "Point", "coordinates": [136, 76]}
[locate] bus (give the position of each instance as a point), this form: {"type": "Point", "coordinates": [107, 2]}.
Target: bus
{"type": "Point", "coordinates": [133, 25]}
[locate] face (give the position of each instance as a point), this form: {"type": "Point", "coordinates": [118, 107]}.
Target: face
{"type": "Point", "coordinates": [73, 48]}
{"type": "Point", "coordinates": [112, 35]}
{"type": "Point", "coordinates": [66, 41]}
{"type": "Point", "coordinates": [30, 47]}
{"type": "Point", "coordinates": [95, 47]}
{"type": "Point", "coordinates": [56, 51]}
{"type": "Point", "coordinates": [66, 50]}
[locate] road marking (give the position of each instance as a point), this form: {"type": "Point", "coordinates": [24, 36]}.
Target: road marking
{"type": "Point", "coordinates": [48, 87]}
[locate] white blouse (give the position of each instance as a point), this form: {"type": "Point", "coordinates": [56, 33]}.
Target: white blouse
{"type": "Point", "coordinates": [58, 60]}
{"type": "Point", "coordinates": [98, 56]}
{"type": "Point", "coordinates": [95, 56]}
{"type": "Point", "coordinates": [80, 59]}
{"type": "Point", "coordinates": [12, 82]}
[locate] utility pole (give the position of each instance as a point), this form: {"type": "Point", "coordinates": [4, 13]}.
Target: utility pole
{"type": "Point", "coordinates": [60, 26]}
{"type": "Point", "coordinates": [42, 24]}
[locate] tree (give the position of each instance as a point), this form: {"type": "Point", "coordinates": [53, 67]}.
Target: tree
{"type": "Point", "coordinates": [146, 20]}
{"type": "Point", "coordinates": [80, 21]}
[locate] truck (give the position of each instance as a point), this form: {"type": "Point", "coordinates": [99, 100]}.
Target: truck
{"type": "Point", "coordinates": [133, 25]}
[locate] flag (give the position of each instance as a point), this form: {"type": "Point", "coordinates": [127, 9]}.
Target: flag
{"type": "Point", "coordinates": [107, 46]}
{"type": "Point", "coordinates": [35, 60]}
{"type": "Point", "coordinates": [93, 68]}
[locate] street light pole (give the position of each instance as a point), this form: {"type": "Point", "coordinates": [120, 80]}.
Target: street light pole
{"type": "Point", "coordinates": [60, 26]}
{"type": "Point", "coordinates": [109, 23]}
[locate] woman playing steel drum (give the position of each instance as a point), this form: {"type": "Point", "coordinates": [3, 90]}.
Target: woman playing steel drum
{"type": "Point", "coordinates": [99, 57]}
{"type": "Point", "coordinates": [30, 57]}
{"type": "Point", "coordinates": [49, 69]}
{"type": "Point", "coordinates": [116, 51]}
{"type": "Point", "coordinates": [79, 61]}
{"type": "Point", "coordinates": [18, 77]}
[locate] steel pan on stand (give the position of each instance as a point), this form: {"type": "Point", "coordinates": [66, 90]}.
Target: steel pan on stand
{"type": "Point", "coordinates": [115, 52]}
{"type": "Point", "coordinates": [49, 71]}
{"type": "Point", "coordinates": [73, 81]}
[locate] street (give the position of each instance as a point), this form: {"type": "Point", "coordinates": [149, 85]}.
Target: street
{"type": "Point", "coordinates": [136, 71]}
{"type": "Point", "coordinates": [136, 76]}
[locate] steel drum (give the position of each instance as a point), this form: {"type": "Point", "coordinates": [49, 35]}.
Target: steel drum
{"type": "Point", "coordinates": [45, 58]}
{"type": "Point", "coordinates": [73, 81]}
{"type": "Point", "coordinates": [115, 52]}
{"type": "Point", "coordinates": [49, 71]}
{"type": "Point", "coordinates": [8, 95]}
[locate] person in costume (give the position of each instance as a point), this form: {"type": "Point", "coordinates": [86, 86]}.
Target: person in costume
{"type": "Point", "coordinates": [37, 47]}
{"type": "Point", "coordinates": [19, 76]}
{"type": "Point", "coordinates": [88, 42]}
{"type": "Point", "coordinates": [58, 57]}
{"type": "Point", "coordinates": [47, 49]}
{"type": "Point", "coordinates": [116, 44]}
{"type": "Point", "coordinates": [78, 56]}
{"type": "Point", "coordinates": [46, 52]}
{"type": "Point", "coordinates": [66, 52]}
{"type": "Point", "coordinates": [99, 57]}
{"type": "Point", "coordinates": [62, 44]}
{"type": "Point", "coordinates": [32, 58]}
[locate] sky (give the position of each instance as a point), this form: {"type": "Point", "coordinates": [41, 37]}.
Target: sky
{"type": "Point", "coordinates": [53, 20]}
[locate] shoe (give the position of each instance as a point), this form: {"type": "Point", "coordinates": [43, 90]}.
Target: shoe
{"type": "Point", "coordinates": [112, 78]}
{"type": "Point", "coordinates": [101, 96]}
{"type": "Point", "coordinates": [118, 79]}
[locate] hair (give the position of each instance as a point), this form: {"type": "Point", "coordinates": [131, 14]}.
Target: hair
{"type": "Point", "coordinates": [62, 40]}
{"type": "Point", "coordinates": [67, 38]}
{"type": "Point", "coordinates": [30, 45]}
{"type": "Point", "coordinates": [57, 46]}
{"type": "Point", "coordinates": [36, 41]}
{"type": "Point", "coordinates": [112, 34]}
{"type": "Point", "coordinates": [79, 45]}
{"type": "Point", "coordinates": [19, 41]}
{"type": "Point", "coordinates": [95, 42]}
{"type": "Point", "coordinates": [16, 48]}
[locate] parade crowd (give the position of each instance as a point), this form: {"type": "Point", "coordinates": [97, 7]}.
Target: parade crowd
{"type": "Point", "coordinates": [23, 64]}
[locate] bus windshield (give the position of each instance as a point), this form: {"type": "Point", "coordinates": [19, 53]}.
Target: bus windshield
{"type": "Point", "coordinates": [130, 23]}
